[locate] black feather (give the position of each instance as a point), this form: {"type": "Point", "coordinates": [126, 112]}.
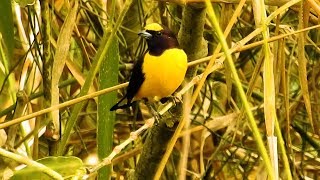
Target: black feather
{"type": "Point", "coordinates": [157, 44]}
{"type": "Point", "coordinates": [161, 41]}
{"type": "Point", "coordinates": [136, 80]}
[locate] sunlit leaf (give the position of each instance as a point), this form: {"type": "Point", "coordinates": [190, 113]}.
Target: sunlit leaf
{"type": "Point", "coordinates": [24, 3]}
{"type": "Point", "coordinates": [6, 27]}
{"type": "Point", "coordinates": [66, 166]}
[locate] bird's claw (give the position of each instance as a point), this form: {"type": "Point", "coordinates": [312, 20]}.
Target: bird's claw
{"type": "Point", "coordinates": [154, 112]}
{"type": "Point", "coordinates": [157, 116]}
{"type": "Point", "coordinates": [174, 99]}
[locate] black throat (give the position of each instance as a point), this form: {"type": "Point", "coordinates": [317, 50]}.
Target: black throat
{"type": "Point", "coordinates": [158, 44]}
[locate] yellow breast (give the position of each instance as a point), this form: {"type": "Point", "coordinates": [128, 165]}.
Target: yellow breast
{"type": "Point", "coordinates": [163, 74]}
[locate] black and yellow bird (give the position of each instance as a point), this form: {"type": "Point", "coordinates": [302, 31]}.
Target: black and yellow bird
{"type": "Point", "coordinates": [160, 71]}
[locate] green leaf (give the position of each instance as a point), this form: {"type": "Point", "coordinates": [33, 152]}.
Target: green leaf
{"type": "Point", "coordinates": [6, 28]}
{"type": "Point", "coordinates": [109, 68]}
{"type": "Point", "coordinates": [24, 3]}
{"type": "Point", "coordinates": [66, 166]}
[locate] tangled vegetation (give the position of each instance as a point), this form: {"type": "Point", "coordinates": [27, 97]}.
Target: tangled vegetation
{"type": "Point", "coordinates": [249, 108]}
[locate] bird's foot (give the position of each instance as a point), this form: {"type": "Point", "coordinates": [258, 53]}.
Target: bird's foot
{"type": "Point", "coordinates": [157, 116]}
{"type": "Point", "coordinates": [174, 99]}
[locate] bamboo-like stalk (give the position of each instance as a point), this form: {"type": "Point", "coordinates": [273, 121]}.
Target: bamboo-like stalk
{"type": "Point", "coordinates": [255, 131]}
{"type": "Point", "coordinates": [147, 125]}
{"type": "Point", "coordinates": [282, 148]}
{"type": "Point", "coordinates": [6, 50]}
{"type": "Point", "coordinates": [106, 118]}
{"type": "Point", "coordinates": [62, 51]}
{"type": "Point", "coordinates": [6, 47]}
{"type": "Point", "coordinates": [245, 161]}
{"type": "Point", "coordinates": [191, 40]}
{"type": "Point", "coordinates": [6, 64]}
{"type": "Point", "coordinates": [106, 43]}
{"type": "Point", "coordinates": [303, 70]}
{"type": "Point", "coordinates": [267, 2]}
{"type": "Point", "coordinates": [238, 48]}
{"type": "Point", "coordinates": [21, 105]}
{"type": "Point", "coordinates": [47, 70]}
{"type": "Point", "coordinates": [183, 164]}
{"type": "Point", "coordinates": [269, 87]}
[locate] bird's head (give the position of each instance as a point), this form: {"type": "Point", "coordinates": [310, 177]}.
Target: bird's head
{"type": "Point", "coordinates": [159, 38]}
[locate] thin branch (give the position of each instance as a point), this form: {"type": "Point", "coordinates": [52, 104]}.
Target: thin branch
{"type": "Point", "coordinates": [238, 48]}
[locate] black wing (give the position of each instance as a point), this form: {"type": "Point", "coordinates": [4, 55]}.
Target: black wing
{"type": "Point", "coordinates": [135, 82]}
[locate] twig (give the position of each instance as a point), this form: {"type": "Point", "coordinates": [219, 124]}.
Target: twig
{"type": "Point", "coordinates": [238, 48]}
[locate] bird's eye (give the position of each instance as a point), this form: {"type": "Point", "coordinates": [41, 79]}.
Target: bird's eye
{"type": "Point", "coordinates": [159, 33]}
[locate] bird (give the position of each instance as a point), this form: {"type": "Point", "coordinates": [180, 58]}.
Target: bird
{"type": "Point", "coordinates": [160, 71]}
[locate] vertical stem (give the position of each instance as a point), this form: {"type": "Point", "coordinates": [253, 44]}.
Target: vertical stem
{"type": "Point", "coordinates": [105, 45]}
{"type": "Point", "coordinates": [106, 117]}
{"type": "Point", "coordinates": [213, 20]}
{"type": "Point", "coordinates": [47, 67]}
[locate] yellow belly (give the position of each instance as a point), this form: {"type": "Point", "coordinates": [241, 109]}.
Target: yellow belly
{"type": "Point", "coordinates": [163, 74]}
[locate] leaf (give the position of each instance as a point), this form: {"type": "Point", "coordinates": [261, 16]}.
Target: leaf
{"type": "Point", "coordinates": [109, 68]}
{"type": "Point", "coordinates": [3, 137]}
{"type": "Point", "coordinates": [24, 3]}
{"type": "Point", "coordinates": [62, 52]}
{"type": "Point", "coordinates": [6, 28]}
{"type": "Point", "coordinates": [66, 166]}
{"type": "Point", "coordinates": [303, 76]}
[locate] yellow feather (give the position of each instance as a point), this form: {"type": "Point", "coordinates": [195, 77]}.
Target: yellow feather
{"type": "Point", "coordinates": [163, 74]}
{"type": "Point", "coordinates": [153, 27]}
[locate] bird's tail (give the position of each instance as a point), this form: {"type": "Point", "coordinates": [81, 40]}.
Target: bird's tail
{"type": "Point", "coordinates": [117, 106]}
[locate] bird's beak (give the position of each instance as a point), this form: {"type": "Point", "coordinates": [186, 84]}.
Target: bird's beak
{"type": "Point", "coordinates": [145, 34]}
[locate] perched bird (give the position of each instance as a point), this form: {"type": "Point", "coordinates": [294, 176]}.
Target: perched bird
{"type": "Point", "coordinates": [160, 71]}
